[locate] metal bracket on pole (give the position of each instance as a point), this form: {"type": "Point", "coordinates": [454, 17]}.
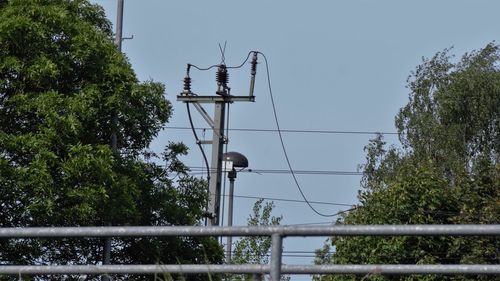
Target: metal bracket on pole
{"type": "Point", "coordinates": [212, 99]}
{"type": "Point", "coordinates": [204, 114]}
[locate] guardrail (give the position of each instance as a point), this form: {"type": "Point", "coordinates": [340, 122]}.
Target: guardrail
{"type": "Point", "coordinates": [277, 233]}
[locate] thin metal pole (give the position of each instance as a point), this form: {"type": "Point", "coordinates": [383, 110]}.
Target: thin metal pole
{"type": "Point", "coordinates": [230, 216]}
{"type": "Point", "coordinates": [382, 269]}
{"type": "Point", "coordinates": [334, 230]}
{"type": "Point", "coordinates": [276, 251]}
{"type": "Point", "coordinates": [118, 43]}
{"type": "Point", "coordinates": [114, 121]}
{"type": "Point", "coordinates": [119, 25]}
{"type": "Point", "coordinates": [393, 269]}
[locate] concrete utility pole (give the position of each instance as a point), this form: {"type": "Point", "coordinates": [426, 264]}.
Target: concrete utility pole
{"type": "Point", "coordinates": [114, 122]}
{"type": "Point", "coordinates": [220, 101]}
{"type": "Point", "coordinates": [218, 141]}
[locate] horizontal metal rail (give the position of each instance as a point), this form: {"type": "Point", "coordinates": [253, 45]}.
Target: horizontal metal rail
{"type": "Point", "coordinates": [275, 268]}
{"type": "Point", "coordinates": [250, 269]}
{"type": "Point", "coordinates": [334, 230]}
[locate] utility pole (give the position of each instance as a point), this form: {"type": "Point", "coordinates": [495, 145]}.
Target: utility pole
{"type": "Point", "coordinates": [114, 122]}
{"type": "Point", "coordinates": [218, 141]}
{"type": "Point", "coordinates": [220, 101]}
{"type": "Point", "coordinates": [119, 25]}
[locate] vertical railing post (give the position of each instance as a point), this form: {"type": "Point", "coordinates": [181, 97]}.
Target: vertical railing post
{"type": "Point", "coordinates": [276, 251]}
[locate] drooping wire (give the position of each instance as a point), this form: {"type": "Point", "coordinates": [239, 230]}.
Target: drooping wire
{"type": "Point", "coordinates": [333, 215]}
{"type": "Point", "coordinates": [187, 90]}
{"type": "Point", "coordinates": [198, 142]}
{"type": "Point", "coordinates": [283, 143]}
{"type": "Point", "coordinates": [243, 63]}
{"type": "Point", "coordinates": [204, 69]}
{"type": "Point", "coordinates": [204, 162]}
{"type": "Point", "coordinates": [217, 65]}
{"type": "Point", "coordinates": [292, 200]}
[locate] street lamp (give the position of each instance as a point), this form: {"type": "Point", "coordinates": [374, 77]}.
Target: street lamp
{"type": "Point", "coordinates": [232, 160]}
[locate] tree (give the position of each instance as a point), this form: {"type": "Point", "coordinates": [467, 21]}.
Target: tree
{"type": "Point", "coordinates": [447, 171]}
{"type": "Point", "coordinates": [255, 249]}
{"type": "Point", "coordinates": [61, 79]}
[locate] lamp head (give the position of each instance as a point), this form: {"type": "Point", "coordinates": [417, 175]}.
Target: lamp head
{"type": "Point", "coordinates": [238, 160]}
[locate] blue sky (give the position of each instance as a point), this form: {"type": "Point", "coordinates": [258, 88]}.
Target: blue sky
{"type": "Point", "coordinates": [334, 65]}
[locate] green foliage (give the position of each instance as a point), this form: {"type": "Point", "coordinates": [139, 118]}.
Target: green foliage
{"type": "Point", "coordinates": [255, 249]}
{"type": "Point", "coordinates": [61, 81]}
{"type": "Point", "coordinates": [446, 172]}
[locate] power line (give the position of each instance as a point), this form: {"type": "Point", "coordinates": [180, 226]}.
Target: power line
{"type": "Point", "coordinates": [289, 131]}
{"type": "Point", "coordinates": [293, 200]}
{"type": "Point", "coordinates": [336, 214]}
{"type": "Point", "coordinates": [435, 212]}
{"type": "Point", "coordinates": [305, 172]}
{"type": "Point", "coordinates": [281, 171]}
{"type": "Point", "coordinates": [217, 65]}
{"type": "Point", "coordinates": [198, 140]}
{"type": "Point", "coordinates": [283, 143]}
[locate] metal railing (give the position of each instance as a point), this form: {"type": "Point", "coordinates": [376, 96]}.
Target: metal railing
{"type": "Point", "coordinates": [277, 233]}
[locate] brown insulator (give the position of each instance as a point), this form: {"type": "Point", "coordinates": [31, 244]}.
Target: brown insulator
{"type": "Point", "coordinates": [222, 76]}
{"type": "Point", "coordinates": [187, 84]}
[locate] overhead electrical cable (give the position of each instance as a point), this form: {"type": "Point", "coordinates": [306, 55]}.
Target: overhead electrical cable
{"type": "Point", "coordinates": [198, 142]}
{"type": "Point", "coordinates": [293, 200]}
{"type": "Point", "coordinates": [283, 143]}
{"type": "Point", "coordinates": [332, 215]}
{"type": "Point", "coordinates": [242, 64]}
{"type": "Point", "coordinates": [305, 172]}
{"type": "Point", "coordinates": [281, 171]}
{"type": "Point", "coordinates": [217, 65]}
{"type": "Point", "coordinates": [291, 131]}
{"type": "Point", "coordinates": [203, 69]}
